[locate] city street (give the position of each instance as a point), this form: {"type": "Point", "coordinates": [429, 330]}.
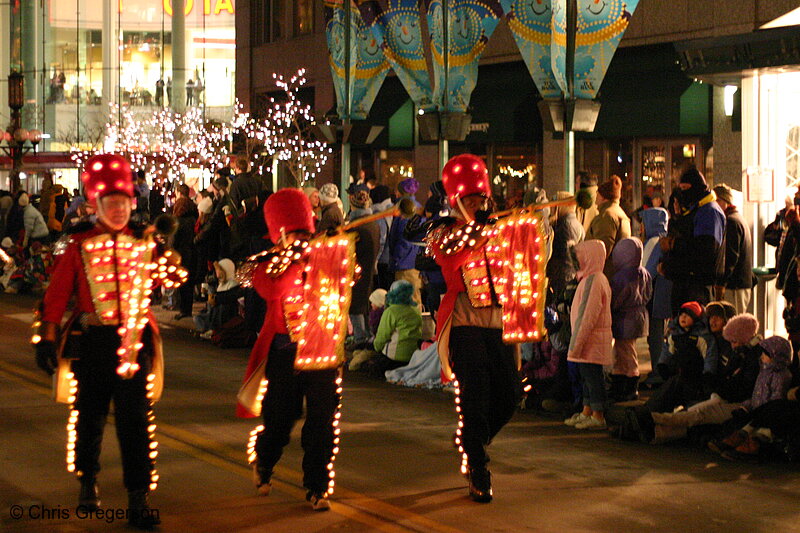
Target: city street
{"type": "Point", "coordinates": [397, 469]}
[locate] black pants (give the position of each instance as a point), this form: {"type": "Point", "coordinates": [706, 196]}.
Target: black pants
{"type": "Point", "coordinates": [283, 406]}
{"type": "Point", "coordinates": [98, 384]}
{"type": "Point", "coordinates": [676, 391]}
{"type": "Point", "coordinates": [490, 386]}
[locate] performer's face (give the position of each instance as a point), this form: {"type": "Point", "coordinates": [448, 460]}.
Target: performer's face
{"type": "Point", "coordinates": [473, 203]}
{"type": "Point", "coordinates": [114, 211]}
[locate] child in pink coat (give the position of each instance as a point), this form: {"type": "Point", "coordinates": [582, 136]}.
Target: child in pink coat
{"type": "Point", "coordinates": [590, 345]}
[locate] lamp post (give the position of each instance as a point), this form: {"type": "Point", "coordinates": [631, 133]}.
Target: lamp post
{"type": "Point", "coordinates": [16, 138]}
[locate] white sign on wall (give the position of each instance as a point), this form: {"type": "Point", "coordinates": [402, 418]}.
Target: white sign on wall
{"type": "Point", "coordinates": [760, 184]}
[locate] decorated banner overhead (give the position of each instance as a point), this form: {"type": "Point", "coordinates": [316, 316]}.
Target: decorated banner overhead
{"type": "Point", "coordinates": [335, 28]}
{"type": "Point", "coordinates": [371, 69]}
{"type": "Point", "coordinates": [471, 23]}
{"type": "Point", "coordinates": [530, 22]}
{"type": "Point", "coordinates": [368, 65]}
{"type": "Point", "coordinates": [397, 30]}
{"type": "Point", "coordinates": [600, 25]}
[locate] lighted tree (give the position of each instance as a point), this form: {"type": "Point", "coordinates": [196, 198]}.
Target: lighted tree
{"type": "Point", "coordinates": [284, 133]}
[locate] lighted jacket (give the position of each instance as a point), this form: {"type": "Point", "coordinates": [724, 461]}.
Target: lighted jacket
{"type": "Point", "coordinates": [590, 315]}
{"type": "Point", "coordinates": [110, 276]}
{"type": "Point", "coordinates": [631, 289]}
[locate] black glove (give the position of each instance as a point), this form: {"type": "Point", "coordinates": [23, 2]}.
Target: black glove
{"type": "Point", "coordinates": [46, 356]}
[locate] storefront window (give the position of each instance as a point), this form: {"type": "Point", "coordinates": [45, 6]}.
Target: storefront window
{"type": "Point", "coordinates": [303, 16]}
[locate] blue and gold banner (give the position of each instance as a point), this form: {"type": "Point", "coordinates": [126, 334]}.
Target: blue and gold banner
{"type": "Point", "coordinates": [371, 69]}
{"type": "Point", "coordinates": [335, 35]}
{"type": "Point", "coordinates": [397, 30]}
{"type": "Point", "coordinates": [530, 22]}
{"type": "Point", "coordinates": [600, 25]}
{"type": "Point", "coordinates": [471, 23]}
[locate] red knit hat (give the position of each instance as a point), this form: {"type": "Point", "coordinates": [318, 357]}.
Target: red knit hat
{"type": "Point", "coordinates": [693, 309]}
{"type": "Point", "coordinates": [288, 210]}
{"type": "Point", "coordinates": [106, 174]}
{"type": "Point", "coordinates": [465, 175]}
{"type": "Point", "coordinates": [612, 189]}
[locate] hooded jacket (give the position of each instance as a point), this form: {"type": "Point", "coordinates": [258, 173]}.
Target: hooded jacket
{"type": "Point", "coordinates": [590, 315]}
{"type": "Point", "coordinates": [611, 225]}
{"type": "Point", "coordinates": [738, 372]}
{"type": "Point", "coordinates": [691, 353]}
{"type": "Point", "coordinates": [561, 268]}
{"type": "Point", "coordinates": [655, 221]}
{"type": "Point", "coordinates": [774, 377]}
{"type": "Point", "coordinates": [631, 289]}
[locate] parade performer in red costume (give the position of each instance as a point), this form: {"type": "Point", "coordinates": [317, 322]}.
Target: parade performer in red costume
{"type": "Point", "coordinates": [306, 285]}
{"type": "Point", "coordinates": [494, 275]}
{"type": "Point", "coordinates": [110, 348]}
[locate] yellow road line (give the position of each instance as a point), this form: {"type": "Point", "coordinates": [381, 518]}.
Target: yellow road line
{"type": "Point", "coordinates": [369, 511]}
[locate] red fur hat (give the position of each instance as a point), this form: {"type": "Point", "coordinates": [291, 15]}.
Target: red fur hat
{"type": "Point", "coordinates": [465, 175]}
{"type": "Point", "coordinates": [106, 174]}
{"type": "Point", "coordinates": [288, 210]}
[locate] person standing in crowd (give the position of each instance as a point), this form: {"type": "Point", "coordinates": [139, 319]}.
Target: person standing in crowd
{"type": "Point", "coordinates": [313, 197]}
{"type": "Point", "coordinates": [631, 290]}
{"type": "Point", "coordinates": [611, 224]}
{"type": "Point", "coordinates": [369, 236]}
{"type": "Point", "coordinates": [587, 186]}
{"type": "Point", "coordinates": [110, 359]}
{"type": "Point", "coordinates": [143, 192]}
{"type": "Point", "coordinates": [694, 253]}
{"type": "Point", "coordinates": [404, 252]}
{"type": "Point", "coordinates": [160, 92]}
{"type": "Point", "coordinates": [185, 212]}
{"type": "Point", "coordinates": [470, 334]}
{"type": "Point", "coordinates": [189, 92]}
{"type": "Point", "coordinates": [278, 352]}
{"type": "Point", "coordinates": [654, 224]}
{"type": "Point", "coordinates": [736, 283]}
{"type": "Point", "coordinates": [567, 232]}
{"type": "Point", "coordinates": [332, 216]}
{"type": "Point", "coordinates": [34, 224]}
{"type": "Point", "coordinates": [381, 201]}
{"type": "Point", "coordinates": [217, 234]}
{"type": "Point", "coordinates": [590, 344]}
{"type": "Point", "coordinates": [245, 186]}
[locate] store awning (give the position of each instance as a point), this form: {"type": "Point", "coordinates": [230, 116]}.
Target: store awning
{"type": "Point", "coordinates": [722, 60]}
{"type": "Point", "coordinates": [40, 161]}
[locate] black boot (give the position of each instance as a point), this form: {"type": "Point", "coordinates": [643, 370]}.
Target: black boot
{"type": "Point", "coordinates": [89, 498]}
{"type": "Point", "coordinates": [140, 515]}
{"type": "Point", "coordinates": [617, 391]}
{"type": "Point", "coordinates": [480, 485]}
{"type": "Point", "coordinates": [631, 389]}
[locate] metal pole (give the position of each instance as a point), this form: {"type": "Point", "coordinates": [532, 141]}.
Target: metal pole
{"type": "Point", "coordinates": [444, 146]}
{"type": "Point", "coordinates": [344, 179]}
{"type": "Point", "coordinates": [569, 135]}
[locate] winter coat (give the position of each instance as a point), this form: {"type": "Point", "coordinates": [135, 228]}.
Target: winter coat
{"type": "Point", "coordinates": [384, 224]}
{"type": "Point", "coordinates": [560, 268]}
{"type": "Point", "coordinates": [655, 220]}
{"type": "Point", "coordinates": [331, 218]}
{"type": "Point", "coordinates": [697, 257]}
{"type": "Point", "coordinates": [399, 332]}
{"type": "Point", "coordinates": [738, 372]}
{"type": "Point", "coordinates": [244, 187]}
{"type": "Point", "coordinates": [35, 226]}
{"type": "Point", "coordinates": [692, 353]}
{"type": "Point", "coordinates": [590, 315]}
{"type": "Point", "coordinates": [403, 252]}
{"type": "Point", "coordinates": [773, 378]}
{"type": "Point", "coordinates": [611, 225]}
{"type": "Point", "coordinates": [366, 256]}
{"type": "Point", "coordinates": [631, 289]}
{"type": "Point", "coordinates": [738, 273]}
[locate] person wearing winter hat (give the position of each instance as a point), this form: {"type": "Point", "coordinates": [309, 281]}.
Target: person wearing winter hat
{"type": "Point", "coordinates": [734, 384]}
{"type": "Point", "coordinates": [693, 254]}
{"type": "Point", "coordinates": [736, 283]}
{"type": "Point", "coordinates": [586, 196]}
{"type": "Point", "coordinates": [331, 216]}
{"type": "Point", "coordinates": [279, 356]}
{"type": "Point", "coordinates": [771, 385]}
{"type": "Point", "coordinates": [408, 186]}
{"type": "Point", "coordinates": [687, 361]}
{"type": "Point", "coordinates": [402, 251]}
{"type": "Point", "coordinates": [611, 224]}
{"type": "Point", "coordinates": [717, 315]}
{"type": "Point", "coordinates": [313, 197]}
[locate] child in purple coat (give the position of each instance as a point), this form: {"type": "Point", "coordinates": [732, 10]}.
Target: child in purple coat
{"type": "Point", "coordinates": [631, 289]}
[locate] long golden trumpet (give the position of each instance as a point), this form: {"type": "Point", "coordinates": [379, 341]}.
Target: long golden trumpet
{"type": "Point", "coordinates": [371, 218]}
{"type": "Point", "coordinates": [534, 207]}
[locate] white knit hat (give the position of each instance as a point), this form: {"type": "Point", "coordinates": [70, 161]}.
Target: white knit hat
{"type": "Point", "coordinates": [328, 193]}
{"type": "Point", "coordinates": [205, 205]}
{"type": "Point", "coordinates": [378, 298]}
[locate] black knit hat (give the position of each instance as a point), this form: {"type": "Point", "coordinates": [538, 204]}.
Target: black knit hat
{"type": "Point", "coordinates": [722, 309]}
